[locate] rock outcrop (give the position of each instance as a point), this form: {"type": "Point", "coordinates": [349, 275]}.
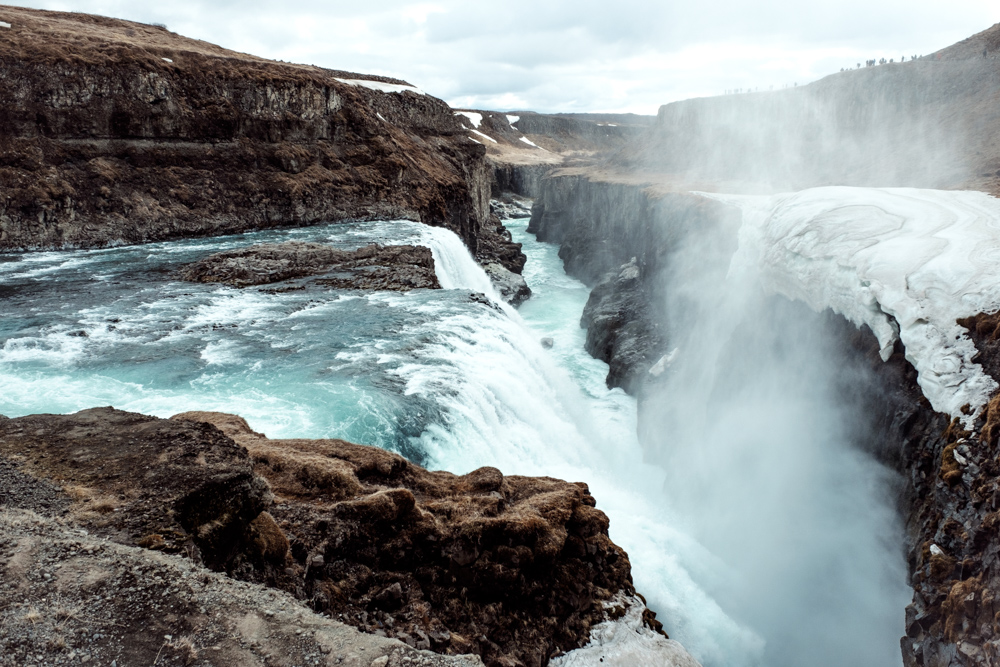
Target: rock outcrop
{"type": "Point", "coordinates": [513, 569]}
{"type": "Point", "coordinates": [119, 132]}
{"type": "Point", "coordinates": [623, 328]}
{"type": "Point", "coordinates": [620, 236]}
{"type": "Point", "coordinates": [373, 267]}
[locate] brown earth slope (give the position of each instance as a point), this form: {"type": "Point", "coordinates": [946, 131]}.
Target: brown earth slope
{"type": "Point", "coordinates": [119, 132]}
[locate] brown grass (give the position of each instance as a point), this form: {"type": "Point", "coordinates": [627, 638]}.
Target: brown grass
{"type": "Point", "coordinates": [90, 504]}
{"type": "Point", "coordinates": [99, 40]}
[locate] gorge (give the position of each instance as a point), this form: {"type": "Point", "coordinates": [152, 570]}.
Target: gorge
{"type": "Point", "coordinates": [258, 264]}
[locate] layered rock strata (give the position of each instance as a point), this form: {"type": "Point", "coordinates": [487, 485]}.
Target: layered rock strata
{"type": "Point", "coordinates": [120, 132]}
{"type": "Point", "coordinates": [514, 569]}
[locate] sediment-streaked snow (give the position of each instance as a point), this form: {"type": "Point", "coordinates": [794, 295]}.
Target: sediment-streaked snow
{"type": "Point", "coordinates": [529, 142]}
{"type": "Point", "coordinates": [475, 118]}
{"type": "Point", "coordinates": [484, 136]}
{"type": "Point", "coordinates": [904, 261]}
{"type": "Point", "coordinates": [383, 87]}
{"type": "Point", "coordinates": [626, 642]}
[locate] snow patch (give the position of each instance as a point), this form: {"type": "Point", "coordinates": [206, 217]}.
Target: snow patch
{"type": "Point", "coordinates": [382, 87]}
{"type": "Point", "coordinates": [484, 136]}
{"type": "Point", "coordinates": [512, 119]}
{"type": "Point", "coordinates": [4, 24]}
{"type": "Point", "coordinates": [626, 642]}
{"type": "Point", "coordinates": [380, 117]}
{"type": "Point", "coordinates": [906, 262]}
{"type": "Point", "coordinates": [529, 142]}
{"type": "Point", "coordinates": [474, 118]}
{"type": "Point", "coordinates": [168, 60]}
{"type": "Point", "coordinates": [656, 370]}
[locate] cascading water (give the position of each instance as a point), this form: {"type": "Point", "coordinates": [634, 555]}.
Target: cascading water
{"type": "Point", "coordinates": [753, 425]}
{"type": "Point", "coordinates": [448, 380]}
{"type": "Point", "coordinates": [456, 382]}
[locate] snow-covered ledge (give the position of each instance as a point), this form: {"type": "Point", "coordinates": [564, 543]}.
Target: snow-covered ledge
{"type": "Point", "coordinates": [906, 262]}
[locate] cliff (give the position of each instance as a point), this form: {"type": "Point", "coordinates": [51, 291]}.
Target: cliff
{"type": "Point", "coordinates": [513, 569]}
{"type": "Point", "coordinates": [931, 122]}
{"type": "Point", "coordinates": [117, 132]}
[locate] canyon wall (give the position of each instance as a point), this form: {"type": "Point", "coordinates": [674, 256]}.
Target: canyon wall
{"type": "Point", "coordinates": [117, 132]}
{"type": "Point", "coordinates": [930, 122]}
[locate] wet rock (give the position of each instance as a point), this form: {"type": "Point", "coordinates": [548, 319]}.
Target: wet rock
{"type": "Point", "coordinates": [547, 343]}
{"type": "Point", "coordinates": [373, 267]}
{"type": "Point", "coordinates": [511, 287]}
{"type": "Point", "coordinates": [621, 327]}
{"type": "Point", "coordinates": [510, 206]}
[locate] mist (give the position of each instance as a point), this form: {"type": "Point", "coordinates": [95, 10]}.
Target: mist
{"type": "Point", "coordinates": [754, 426]}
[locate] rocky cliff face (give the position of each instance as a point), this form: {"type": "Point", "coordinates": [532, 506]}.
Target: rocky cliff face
{"type": "Point", "coordinates": [513, 569]}
{"type": "Point", "coordinates": [619, 237]}
{"type": "Point", "coordinates": [118, 132]}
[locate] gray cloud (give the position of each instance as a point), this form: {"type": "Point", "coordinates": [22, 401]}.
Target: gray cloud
{"type": "Point", "coordinates": [632, 55]}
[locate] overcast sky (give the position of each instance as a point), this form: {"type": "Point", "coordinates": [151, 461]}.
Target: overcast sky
{"type": "Point", "coordinates": [629, 55]}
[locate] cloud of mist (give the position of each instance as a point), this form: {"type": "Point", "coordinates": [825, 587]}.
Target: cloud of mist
{"type": "Point", "coordinates": [562, 56]}
{"type": "Point", "coordinates": [760, 445]}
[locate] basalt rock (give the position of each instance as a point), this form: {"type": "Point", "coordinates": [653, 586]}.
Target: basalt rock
{"type": "Point", "coordinates": [514, 569]}
{"type": "Point", "coordinates": [373, 267]}
{"type": "Point", "coordinates": [511, 286]}
{"type": "Point", "coordinates": [118, 132]}
{"type": "Point", "coordinates": [622, 328]}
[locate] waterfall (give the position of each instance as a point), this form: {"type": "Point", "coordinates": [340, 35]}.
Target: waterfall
{"type": "Point", "coordinates": [760, 450]}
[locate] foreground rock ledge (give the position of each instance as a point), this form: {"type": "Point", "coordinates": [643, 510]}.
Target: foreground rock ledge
{"type": "Point", "coordinates": [514, 569]}
{"type": "Point", "coordinates": [71, 598]}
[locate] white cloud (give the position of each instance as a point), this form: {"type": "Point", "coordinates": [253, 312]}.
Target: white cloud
{"type": "Point", "coordinates": [569, 56]}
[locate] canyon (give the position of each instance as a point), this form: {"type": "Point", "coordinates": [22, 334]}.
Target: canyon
{"type": "Point", "coordinates": [119, 133]}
